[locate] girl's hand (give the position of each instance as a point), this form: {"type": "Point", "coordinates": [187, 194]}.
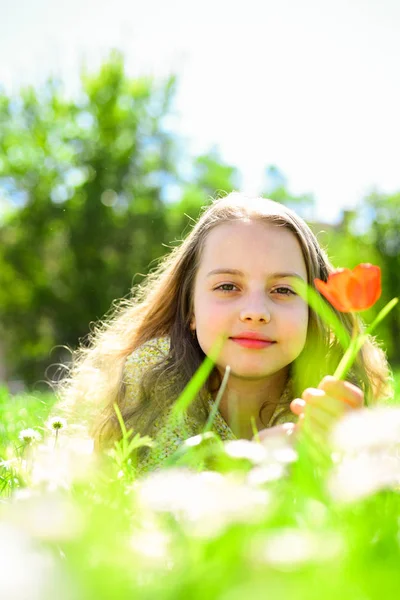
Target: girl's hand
{"type": "Point", "coordinates": [285, 431]}
{"type": "Point", "coordinates": [322, 406]}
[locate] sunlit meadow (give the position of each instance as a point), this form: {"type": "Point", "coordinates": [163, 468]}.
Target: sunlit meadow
{"type": "Point", "coordinates": [227, 521]}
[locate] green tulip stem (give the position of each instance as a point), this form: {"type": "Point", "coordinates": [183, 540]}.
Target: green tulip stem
{"type": "Point", "coordinates": [357, 342]}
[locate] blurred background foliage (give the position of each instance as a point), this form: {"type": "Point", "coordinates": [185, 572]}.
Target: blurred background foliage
{"type": "Point", "coordinates": [92, 192]}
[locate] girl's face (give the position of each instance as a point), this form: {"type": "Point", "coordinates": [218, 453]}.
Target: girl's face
{"type": "Point", "coordinates": [244, 286]}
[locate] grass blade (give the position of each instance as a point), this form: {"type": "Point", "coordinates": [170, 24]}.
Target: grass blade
{"type": "Point", "coordinates": [217, 402]}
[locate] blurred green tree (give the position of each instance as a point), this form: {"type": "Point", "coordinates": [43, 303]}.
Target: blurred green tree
{"type": "Point", "coordinates": [81, 181]}
{"type": "Point", "coordinates": [84, 205]}
{"type": "Point", "coordinates": [209, 177]}
{"type": "Point", "coordinates": [371, 233]}
{"type": "Point", "coordinates": [276, 188]}
{"type": "Point", "coordinates": [383, 234]}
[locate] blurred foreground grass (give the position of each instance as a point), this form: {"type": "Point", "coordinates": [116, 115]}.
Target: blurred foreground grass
{"type": "Point", "coordinates": [397, 384]}
{"type": "Point", "coordinates": [252, 522]}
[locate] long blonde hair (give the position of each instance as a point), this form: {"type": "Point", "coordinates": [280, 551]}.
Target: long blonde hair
{"type": "Point", "coordinates": [163, 306]}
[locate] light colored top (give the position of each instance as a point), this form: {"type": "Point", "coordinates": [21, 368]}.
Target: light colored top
{"type": "Point", "coordinates": [169, 437]}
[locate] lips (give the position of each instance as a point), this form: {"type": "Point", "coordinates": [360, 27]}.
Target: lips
{"type": "Point", "coordinates": [253, 340]}
{"type": "Point", "coordinates": [252, 335]}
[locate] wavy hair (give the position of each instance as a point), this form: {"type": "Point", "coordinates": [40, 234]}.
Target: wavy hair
{"type": "Point", "coordinates": [163, 306]}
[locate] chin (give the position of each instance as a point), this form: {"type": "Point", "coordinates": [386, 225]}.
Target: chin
{"type": "Point", "coordinates": [251, 376]}
{"type": "Point", "coordinates": [242, 372]}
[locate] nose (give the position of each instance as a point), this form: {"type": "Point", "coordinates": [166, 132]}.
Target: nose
{"type": "Point", "coordinates": [256, 310]}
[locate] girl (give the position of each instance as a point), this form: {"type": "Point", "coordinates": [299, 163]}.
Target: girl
{"type": "Point", "coordinates": [233, 275]}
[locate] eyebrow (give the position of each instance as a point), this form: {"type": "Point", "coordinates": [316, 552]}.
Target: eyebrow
{"type": "Point", "coordinates": [278, 275]}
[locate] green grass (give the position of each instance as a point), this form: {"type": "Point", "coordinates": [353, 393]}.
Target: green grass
{"type": "Point", "coordinates": [19, 412]}
{"type": "Point", "coordinates": [397, 383]}
{"type": "Point", "coordinates": [99, 533]}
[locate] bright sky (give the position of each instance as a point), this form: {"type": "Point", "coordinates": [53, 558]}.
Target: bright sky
{"type": "Point", "coordinates": [310, 86]}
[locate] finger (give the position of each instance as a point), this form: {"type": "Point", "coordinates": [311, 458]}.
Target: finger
{"type": "Point", "coordinates": [313, 427]}
{"type": "Point", "coordinates": [343, 390]}
{"type": "Point", "coordinates": [317, 397]}
{"type": "Point", "coordinates": [297, 406]}
{"type": "Point", "coordinates": [285, 429]}
{"type": "Point", "coordinates": [300, 422]}
{"type": "Point", "coordinates": [318, 418]}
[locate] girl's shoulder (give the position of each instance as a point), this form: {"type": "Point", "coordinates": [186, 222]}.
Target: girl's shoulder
{"type": "Point", "coordinates": [145, 357]}
{"type": "Point", "coordinates": [150, 352]}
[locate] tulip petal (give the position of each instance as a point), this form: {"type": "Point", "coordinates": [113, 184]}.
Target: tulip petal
{"type": "Point", "coordinates": [335, 289]}
{"type": "Point", "coordinates": [339, 282]}
{"type": "Point", "coordinates": [370, 278]}
{"type": "Point", "coordinates": [329, 293]}
{"type": "Point", "coordinates": [356, 294]}
{"type": "Point", "coordinates": [352, 290]}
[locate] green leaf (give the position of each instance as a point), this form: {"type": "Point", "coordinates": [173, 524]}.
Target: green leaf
{"type": "Point", "coordinates": [199, 378]}
{"type": "Point", "coordinates": [323, 310]}
{"type": "Point", "coordinates": [217, 402]}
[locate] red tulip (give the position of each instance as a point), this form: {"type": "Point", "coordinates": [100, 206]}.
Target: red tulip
{"type": "Point", "coordinates": [352, 290]}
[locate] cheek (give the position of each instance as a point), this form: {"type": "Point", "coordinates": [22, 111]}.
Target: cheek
{"type": "Point", "coordinates": [212, 316]}
{"type": "Point", "coordinates": [295, 324]}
